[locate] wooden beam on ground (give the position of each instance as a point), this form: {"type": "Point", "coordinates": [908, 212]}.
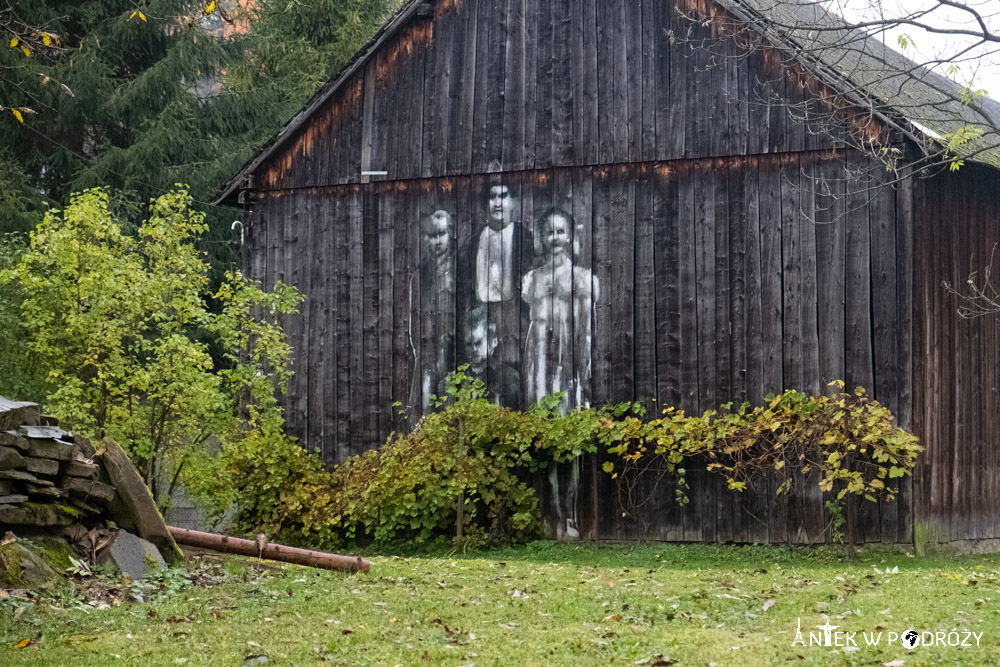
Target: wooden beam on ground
{"type": "Point", "coordinates": [235, 545]}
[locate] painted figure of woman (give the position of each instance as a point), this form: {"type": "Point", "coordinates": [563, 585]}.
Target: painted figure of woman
{"type": "Point", "coordinates": [560, 296]}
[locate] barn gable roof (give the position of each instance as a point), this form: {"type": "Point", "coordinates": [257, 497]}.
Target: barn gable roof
{"type": "Point", "coordinates": [858, 65]}
{"type": "Point", "coordinates": [863, 67]}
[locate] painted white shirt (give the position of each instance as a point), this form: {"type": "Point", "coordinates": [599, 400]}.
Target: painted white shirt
{"type": "Point", "coordinates": [494, 265]}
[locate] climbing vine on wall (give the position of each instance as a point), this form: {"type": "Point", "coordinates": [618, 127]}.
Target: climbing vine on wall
{"type": "Point", "coordinates": [465, 470]}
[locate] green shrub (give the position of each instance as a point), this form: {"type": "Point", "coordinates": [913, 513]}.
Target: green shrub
{"type": "Point", "coordinates": [482, 455]}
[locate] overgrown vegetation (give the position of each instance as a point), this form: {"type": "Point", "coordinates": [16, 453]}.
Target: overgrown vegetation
{"type": "Point", "coordinates": [466, 469]}
{"type": "Point", "coordinates": [120, 326]}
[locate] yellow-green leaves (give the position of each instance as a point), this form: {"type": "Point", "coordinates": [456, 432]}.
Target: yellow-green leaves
{"type": "Point", "coordinates": [112, 317]}
{"type": "Point", "coordinates": [850, 439]}
{"type": "Point", "coordinates": [135, 13]}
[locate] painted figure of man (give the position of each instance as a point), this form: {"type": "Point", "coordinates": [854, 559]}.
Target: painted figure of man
{"type": "Point", "coordinates": [432, 308]}
{"type": "Point", "coordinates": [499, 250]}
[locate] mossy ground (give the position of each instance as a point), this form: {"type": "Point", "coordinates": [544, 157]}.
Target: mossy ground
{"type": "Point", "coordinates": [542, 604]}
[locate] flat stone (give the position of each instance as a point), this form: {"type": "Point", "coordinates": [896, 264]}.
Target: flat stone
{"type": "Point", "coordinates": [18, 476]}
{"type": "Point", "coordinates": [10, 459]}
{"type": "Point", "coordinates": [84, 445]}
{"type": "Point", "coordinates": [13, 499]}
{"type": "Point", "coordinates": [43, 491]}
{"type": "Point", "coordinates": [41, 432]}
{"type": "Point", "coordinates": [140, 509]}
{"type": "Point", "coordinates": [42, 466]}
{"type": "Point", "coordinates": [86, 488]}
{"type": "Point", "coordinates": [135, 556]}
{"type": "Point", "coordinates": [51, 449]}
{"type": "Point", "coordinates": [35, 514]}
{"type": "Point", "coordinates": [12, 439]}
{"type": "Point", "coordinates": [83, 506]}
{"type": "Point", "coordinates": [80, 469]}
{"type": "Point", "coordinates": [13, 413]}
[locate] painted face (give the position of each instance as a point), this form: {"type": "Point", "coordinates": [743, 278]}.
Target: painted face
{"type": "Point", "coordinates": [556, 237]}
{"type": "Point", "coordinates": [479, 347]}
{"type": "Point", "coordinates": [437, 233]}
{"type": "Point", "coordinates": [501, 207]}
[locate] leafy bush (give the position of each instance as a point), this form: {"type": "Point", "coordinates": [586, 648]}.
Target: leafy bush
{"type": "Point", "coordinates": [471, 452]}
{"type": "Point", "coordinates": [477, 454]}
{"type": "Point", "coordinates": [120, 327]}
{"type": "Point", "coordinates": [851, 440]}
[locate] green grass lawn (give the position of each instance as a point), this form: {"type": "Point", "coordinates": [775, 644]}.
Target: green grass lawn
{"type": "Point", "coordinates": [543, 604]}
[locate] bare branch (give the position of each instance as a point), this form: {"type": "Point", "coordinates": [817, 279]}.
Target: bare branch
{"type": "Point", "coordinates": [980, 295]}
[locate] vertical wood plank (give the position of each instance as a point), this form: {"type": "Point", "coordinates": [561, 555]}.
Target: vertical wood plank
{"type": "Point", "coordinates": [644, 372]}
{"type": "Point", "coordinates": [600, 254]}
{"type": "Point", "coordinates": [355, 212]}
{"type": "Point", "coordinates": [668, 297]}
{"type": "Point", "coordinates": [342, 234]}
{"type": "Point", "coordinates": [564, 66]}
{"type": "Point", "coordinates": [512, 146]}
{"type": "Point", "coordinates": [544, 85]}
{"type": "Point", "coordinates": [606, 85]}
{"type": "Point", "coordinates": [461, 97]}
{"type": "Point", "coordinates": [437, 78]}
{"type": "Point", "coordinates": [327, 270]}
{"type": "Point", "coordinates": [386, 323]}
{"type": "Point", "coordinates": [724, 499]}
{"type": "Point", "coordinates": [859, 361]}
{"type": "Point", "coordinates": [487, 123]}
{"type": "Point", "coordinates": [622, 251]}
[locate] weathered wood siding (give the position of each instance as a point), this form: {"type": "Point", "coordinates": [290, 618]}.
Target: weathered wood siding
{"type": "Point", "coordinates": [956, 361]}
{"type": "Point", "coordinates": [720, 279]}
{"type": "Point", "coordinates": [490, 85]}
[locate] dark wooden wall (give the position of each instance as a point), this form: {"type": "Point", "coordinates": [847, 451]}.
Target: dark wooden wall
{"type": "Point", "coordinates": [726, 270]}
{"type": "Point", "coordinates": [721, 279]}
{"type": "Point", "coordinates": [498, 85]}
{"type": "Point", "coordinates": [957, 361]}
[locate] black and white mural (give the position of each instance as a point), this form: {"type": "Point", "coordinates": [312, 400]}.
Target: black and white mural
{"type": "Point", "coordinates": [518, 296]}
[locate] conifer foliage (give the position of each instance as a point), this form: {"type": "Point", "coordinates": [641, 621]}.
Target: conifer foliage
{"type": "Point", "coordinates": [141, 95]}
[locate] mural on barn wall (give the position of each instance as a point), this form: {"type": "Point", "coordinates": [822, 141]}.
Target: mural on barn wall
{"type": "Point", "coordinates": [540, 278]}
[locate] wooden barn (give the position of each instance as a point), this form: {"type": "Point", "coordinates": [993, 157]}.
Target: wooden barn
{"type": "Point", "coordinates": [661, 201]}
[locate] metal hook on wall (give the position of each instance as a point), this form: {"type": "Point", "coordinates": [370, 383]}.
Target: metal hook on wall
{"type": "Point", "coordinates": [233, 226]}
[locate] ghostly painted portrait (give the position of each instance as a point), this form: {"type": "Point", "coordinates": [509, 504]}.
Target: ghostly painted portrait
{"type": "Point", "coordinates": [432, 308]}
{"type": "Point", "coordinates": [496, 256]}
{"type": "Point", "coordinates": [485, 359]}
{"type": "Point", "coordinates": [560, 295]}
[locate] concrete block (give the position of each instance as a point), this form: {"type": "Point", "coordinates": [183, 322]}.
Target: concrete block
{"type": "Point", "coordinates": [135, 556]}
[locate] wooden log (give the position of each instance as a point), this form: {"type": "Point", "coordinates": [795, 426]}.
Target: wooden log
{"type": "Point", "coordinates": [235, 545]}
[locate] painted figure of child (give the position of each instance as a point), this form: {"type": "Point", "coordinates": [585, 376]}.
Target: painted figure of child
{"type": "Point", "coordinates": [432, 308]}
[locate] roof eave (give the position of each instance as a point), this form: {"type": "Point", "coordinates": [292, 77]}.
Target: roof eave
{"type": "Point", "coordinates": [227, 195]}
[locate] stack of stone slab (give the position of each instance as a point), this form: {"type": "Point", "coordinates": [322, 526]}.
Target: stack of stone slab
{"type": "Point", "coordinates": [50, 479]}
{"type": "Point", "coordinates": [47, 476]}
